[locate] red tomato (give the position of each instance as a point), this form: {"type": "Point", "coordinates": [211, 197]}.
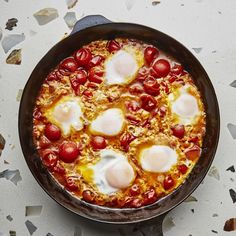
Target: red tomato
{"type": "Point", "coordinates": [142, 74]}
{"type": "Point", "coordinates": [183, 168]}
{"type": "Point", "coordinates": [161, 68]}
{"type": "Point", "coordinates": [83, 57]}
{"type": "Point", "coordinates": [96, 75]}
{"type": "Point", "coordinates": [96, 61]}
{"type": "Point", "coordinates": [50, 158]}
{"type": "Point", "coordinates": [87, 93]}
{"type": "Point", "coordinates": [177, 69]}
{"type": "Point", "coordinates": [98, 142]}
{"type": "Point", "coordinates": [59, 169]}
{"type": "Point", "coordinates": [71, 184]}
{"type": "Point", "coordinates": [178, 131]}
{"type": "Point", "coordinates": [69, 64]}
{"type": "Point", "coordinates": [162, 111]}
{"type": "Point", "coordinates": [172, 79]}
{"type": "Point", "coordinates": [52, 76]}
{"type": "Point", "coordinates": [134, 190]}
{"type": "Point", "coordinates": [148, 102]}
{"type": "Point", "coordinates": [193, 153]}
{"type": "Point", "coordinates": [168, 182]}
{"type": "Point", "coordinates": [52, 132]}
{"type": "Point", "coordinates": [133, 119]}
{"type": "Point", "coordinates": [151, 86]}
{"type": "Point", "coordinates": [79, 77]}
{"type": "Point", "coordinates": [88, 196]}
{"type": "Point", "coordinates": [150, 197]}
{"type": "Point", "coordinates": [68, 151]}
{"type": "Point", "coordinates": [113, 45]}
{"type": "Point", "coordinates": [126, 139]}
{"type": "Point", "coordinates": [136, 88]}
{"type": "Point", "coordinates": [44, 142]}
{"type": "Point", "coordinates": [150, 53]}
{"type": "Point", "coordinates": [132, 106]}
{"type": "Point", "coordinates": [37, 114]}
{"type": "Point", "coordinates": [136, 203]}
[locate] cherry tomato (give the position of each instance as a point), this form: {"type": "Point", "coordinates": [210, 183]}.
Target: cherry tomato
{"type": "Point", "coordinates": [96, 61]}
{"type": "Point", "coordinates": [168, 182]}
{"type": "Point", "coordinates": [134, 190]}
{"type": "Point", "coordinates": [172, 79]}
{"type": "Point", "coordinates": [83, 57]}
{"type": "Point", "coordinates": [52, 132]}
{"type": "Point", "coordinates": [136, 88]}
{"type": "Point", "coordinates": [177, 69]}
{"type": "Point", "coordinates": [68, 151]}
{"type": "Point", "coordinates": [142, 74]}
{"type": "Point", "coordinates": [71, 184]}
{"type": "Point", "coordinates": [132, 106]}
{"type": "Point", "coordinates": [150, 197]}
{"type": "Point", "coordinates": [193, 153]}
{"type": "Point", "coordinates": [178, 131]}
{"type": "Point", "coordinates": [136, 203]}
{"type": "Point", "coordinates": [50, 158]}
{"type": "Point", "coordinates": [126, 139]}
{"type": "Point", "coordinates": [151, 86]}
{"type": "Point", "coordinates": [59, 169]}
{"type": "Point", "coordinates": [37, 114]}
{"type": "Point", "coordinates": [98, 142]}
{"type": "Point", "coordinates": [87, 93]}
{"type": "Point", "coordinates": [44, 142]}
{"type": "Point", "coordinates": [161, 68]}
{"type": "Point", "coordinates": [52, 76]}
{"type": "Point", "coordinates": [96, 75]}
{"type": "Point", "coordinates": [79, 77]}
{"type": "Point", "coordinates": [148, 102]}
{"type": "Point", "coordinates": [162, 111]}
{"type": "Point", "coordinates": [69, 64]}
{"type": "Point", "coordinates": [113, 45]}
{"type": "Point", "coordinates": [133, 119]}
{"type": "Point", "coordinates": [182, 168]}
{"type": "Point", "coordinates": [88, 196]}
{"type": "Point", "coordinates": [194, 139]}
{"type": "Point", "coordinates": [150, 53]}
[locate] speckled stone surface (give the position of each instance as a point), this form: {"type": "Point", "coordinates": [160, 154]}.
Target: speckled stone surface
{"type": "Point", "coordinates": [205, 27]}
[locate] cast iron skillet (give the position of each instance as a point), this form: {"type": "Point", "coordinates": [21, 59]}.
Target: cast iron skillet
{"type": "Point", "coordinates": [93, 28]}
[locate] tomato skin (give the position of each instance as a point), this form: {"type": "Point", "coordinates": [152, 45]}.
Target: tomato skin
{"type": "Point", "coordinates": [113, 46]}
{"type": "Point", "coordinates": [88, 196]}
{"type": "Point", "coordinates": [79, 77]}
{"type": "Point", "coordinates": [126, 139]}
{"type": "Point", "coordinates": [69, 64]}
{"type": "Point", "coordinates": [142, 74]}
{"type": "Point", "coordinates": [59, 169]}
{"type": "Point", "coordinates": [193, 153]}
{"type": "Point", "coordinates": [136, 203]}
{"type": "Point", "coordinates": [68, 151]}
{"type": "Point", "coordinates": [178, 131]}
{"type": "Point", "coordinates": [71, 184]}
{"type": "Point", "coordinates": [52, 132]}
{"type": "Point", "coordinates": [132, 106]}
{"type": "Point", "coordinates": [87, 93]}
{"type": "Point", "coordinates": [136, 88]}
{"type": "Point", "coordinates": [37, 114]}
{"type": "Point", "coordinates": [177, 69]}
{"type": "Point", "coordinates": [52, 76]}
{"type": "Point", "coordinates": [151, 86]}
{"type": "Point", "coordinates": [161, 68]}
{"type": "Point", "coordinates": [150, 53]}
{"type": "Point", "coordinates": [134, 190]}
{"type": "Point", "coordinates": [83, 57]}
{"type": "Point", "coordinates": [98, 142]}
{"type": "Point", "coordinates": [96, 61]}
{"type": "Point", "coordinates": [96, 75]}
{"type": "Point", "coordinates": [50, 158]}
{"type": "Point", "coordinates": [183, 168]}
{"type": "Point", "coordinates": [148, 102]}
{"type": "Point", "coordinates": [150, 197]}
{"type": "Point", "coordinates": [168, 182]}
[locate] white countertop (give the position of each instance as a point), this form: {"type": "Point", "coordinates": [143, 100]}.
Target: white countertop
{"type": "Point", "coordinates": [202, 24]}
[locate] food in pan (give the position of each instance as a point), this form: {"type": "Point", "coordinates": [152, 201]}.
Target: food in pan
{"type": "Point", "coordinates": [119, 123]}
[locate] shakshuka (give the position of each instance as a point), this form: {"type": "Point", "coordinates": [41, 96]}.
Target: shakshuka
{"type": "Point", "coordinates": [119, 123]}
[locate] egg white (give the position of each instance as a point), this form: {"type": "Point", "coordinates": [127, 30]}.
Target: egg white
{"type": "Point", "coordinates": [109, 123]}
{"type": "Point", "coordinates": [121, 67]}
{"type": "Point", "coordinates": [184, 106]}
{"type": "Point", "coordinates": [66, 114]}
{"type": "Point", "coordinates": [99, 173]}
{"type": "Point", "coordinates": [158, 158]}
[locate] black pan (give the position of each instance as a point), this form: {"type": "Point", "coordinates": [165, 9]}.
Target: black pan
{"type": "Point", "coordinates": [93, 28]}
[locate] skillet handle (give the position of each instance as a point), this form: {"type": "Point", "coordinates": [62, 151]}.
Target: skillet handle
{"type": "Point", "coordinates": [89, 21]}
{"type": "Point", "coordinates": [151, 227]}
